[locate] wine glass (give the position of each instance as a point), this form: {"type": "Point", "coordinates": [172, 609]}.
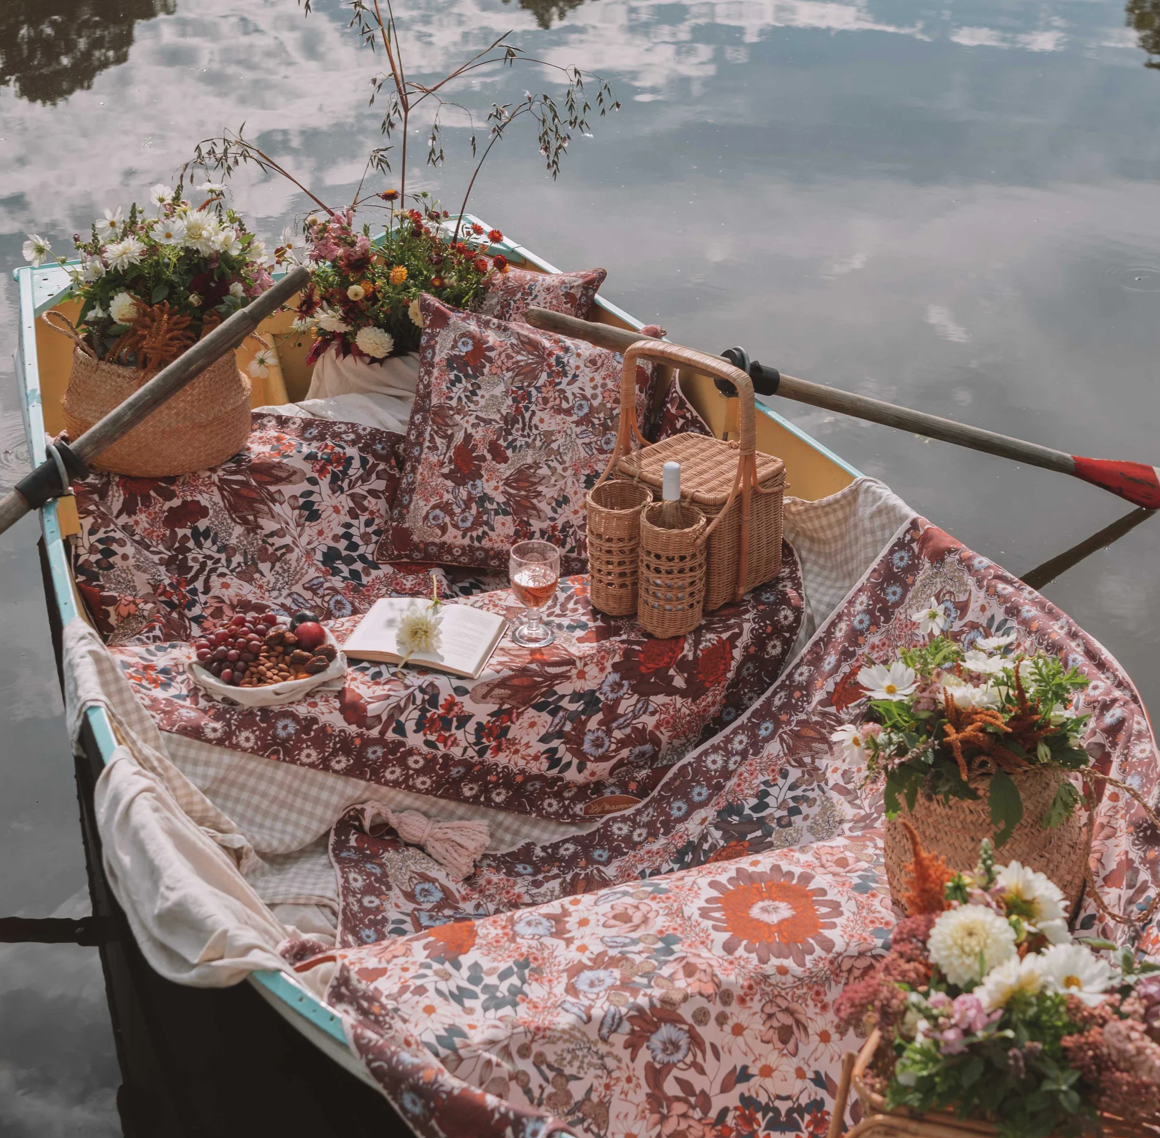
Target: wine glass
{"type": "Point", "coordinates": [535, 572]}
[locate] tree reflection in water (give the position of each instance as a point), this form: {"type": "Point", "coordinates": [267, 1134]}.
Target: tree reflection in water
{"type": "Point", "coordinates": [51, 48]}
{"type": "Point", "coordinates": [546, 11]}
{"type": "Point", "coordinates": [1144, 16]}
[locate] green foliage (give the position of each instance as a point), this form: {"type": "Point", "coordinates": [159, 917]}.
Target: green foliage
{"type": "Point", "coordinates": [1028, 1091]}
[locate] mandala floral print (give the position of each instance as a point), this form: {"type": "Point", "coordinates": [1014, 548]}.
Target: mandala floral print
{"type": "Point", "coordinates": [672, 970]}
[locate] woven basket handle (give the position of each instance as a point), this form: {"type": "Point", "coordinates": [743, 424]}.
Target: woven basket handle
{"type": "Point", "coordinates": [628, 430]}
{"type": "Point", "coordinates": [68, 330]}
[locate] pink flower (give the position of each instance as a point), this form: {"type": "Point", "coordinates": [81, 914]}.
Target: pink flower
{"type": "Point", "coordinates": [969, 1013]}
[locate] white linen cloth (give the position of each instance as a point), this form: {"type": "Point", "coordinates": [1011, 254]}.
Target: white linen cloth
{"type": "Point", "coordinates": [199, 841]}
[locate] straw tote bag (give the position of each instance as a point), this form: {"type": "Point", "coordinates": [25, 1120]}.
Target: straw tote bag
{"type": "Point", "coordinates": [738, 490]}
{"type": "Point", "coordinates": [199, 427]}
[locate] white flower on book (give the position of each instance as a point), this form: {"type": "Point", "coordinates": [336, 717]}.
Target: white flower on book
{"type": "Point", "coordinates": [418, 631]}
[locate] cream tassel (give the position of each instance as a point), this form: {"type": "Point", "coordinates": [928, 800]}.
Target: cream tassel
{"type": "Point", "coordinates": [454, 845]}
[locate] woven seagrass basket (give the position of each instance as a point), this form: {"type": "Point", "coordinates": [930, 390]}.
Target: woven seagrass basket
{"type": "Point", "coordinates": [614, 544]}
{"type": "Point", "coordinates": [199, 427]}
{"type": "Point", "coordinates": [954, 830]}
{"type": "Point", "coordinates": [738, 490]}
{"type": "Point", "coordinates": [673, 564]}
{"type": "Point", "coordinates": [878, 1122]}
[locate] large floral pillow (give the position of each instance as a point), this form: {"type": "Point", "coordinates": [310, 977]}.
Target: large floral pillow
{"type": "Point", "coordinates": [511, 293]}
{"type": "Point", "coordinates": [510, 429]}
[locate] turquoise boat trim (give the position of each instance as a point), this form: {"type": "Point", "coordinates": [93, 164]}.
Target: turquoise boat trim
{"type": "Point", "coordinates": [304, 1002]}
{"type": "Point", "coordinates": [42, 288]}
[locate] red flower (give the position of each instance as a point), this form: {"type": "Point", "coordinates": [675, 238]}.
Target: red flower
{"type": "Point", "coordinates": [481, 265]}
{"type": "Point", "coordinates": [494, 235]}
{"type": "Point", "coordinates": [476, 229]}
{"type": "Point", "coordinates": [389, 195]}
{"type": "Point", "coordinates": [713, 666]}
{"type": "Point", "coordinates": [500, 262]}
{"type": "Point", "coordinates": [436, 282]}
{"type": "Point", "coordinates": [185, 515]}
{"type": "Point", "coordinates": [658, 654]}
{"type": "Point", "coordinates": [451, 940]}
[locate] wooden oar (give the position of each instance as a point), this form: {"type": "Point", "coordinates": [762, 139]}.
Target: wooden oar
{"type": "Point", "coordinates": [1135, 481]}
{"type": "Point", "coordinates": [51, 478]}
{"type": "Point", "coordinates": [1044, 574]}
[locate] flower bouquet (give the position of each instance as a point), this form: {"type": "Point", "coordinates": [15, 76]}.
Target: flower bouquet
{"type": "Point", "coordinates": [364, 298]}
{"type": "Point", "coordinates": [150, 285]}
{"type": "Point", "coordinates": [986, 1008]}
{"type": "Point", "coordinates": [967, 742]}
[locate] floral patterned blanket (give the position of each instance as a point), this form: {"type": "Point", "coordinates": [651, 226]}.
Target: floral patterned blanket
{"type": "Point", "coordinates": [672, 970]}
{"type": "Point", "coordinates": [585, 727]}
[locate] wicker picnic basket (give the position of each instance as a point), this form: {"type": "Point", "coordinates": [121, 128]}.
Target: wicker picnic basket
{"type": "Point", "coordinates": [879, 1122]}
{"type": "Point", "coordinates": [954, 830]}
{"type": "Point", "coordinates": [673, 565]}
{"type": "Point", "coordinates": [738, 490]}
{"type": "Point", "coordinates": [614, 543]}
{"type": "Point", "coordinates": [199, 427]}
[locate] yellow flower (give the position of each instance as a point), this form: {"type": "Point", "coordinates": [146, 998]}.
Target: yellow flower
{"type": "Point", "coordinates": [398, 274]}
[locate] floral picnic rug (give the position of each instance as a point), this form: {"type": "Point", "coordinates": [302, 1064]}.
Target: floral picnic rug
{"type": "Point", "coordinates": [673, 970]}
{"type": "Point", "coordinates": [585, 727]}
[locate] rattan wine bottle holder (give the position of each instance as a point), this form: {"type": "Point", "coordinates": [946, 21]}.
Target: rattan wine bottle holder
{"type": "Point", "coordinates": [614, 544]}
{"type": "Point", "coordinates": [671, 588]}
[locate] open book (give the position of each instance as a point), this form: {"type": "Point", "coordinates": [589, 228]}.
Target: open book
{"type": "Point", "coordinates": [467, 636]}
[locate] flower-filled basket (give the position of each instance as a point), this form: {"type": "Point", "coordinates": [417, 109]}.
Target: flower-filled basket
{"type": "Point", "coordinates": [150, 287]}
{"type": "Point", "coordinates": [983, 1020]}
{"type": "Point", "coordinates": [977, 741]}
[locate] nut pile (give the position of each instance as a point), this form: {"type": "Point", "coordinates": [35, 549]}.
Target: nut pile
{"type": "Point", "coordinates": [255, 651]}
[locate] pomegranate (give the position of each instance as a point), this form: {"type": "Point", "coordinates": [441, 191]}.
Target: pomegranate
{"type": "Point", "coordinates": [311, 635]}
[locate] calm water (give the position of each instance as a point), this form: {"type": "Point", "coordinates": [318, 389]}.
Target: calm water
{"type": "Point", "coordinates": [950, 205]}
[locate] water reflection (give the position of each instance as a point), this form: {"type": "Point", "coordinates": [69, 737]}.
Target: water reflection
{"type": "Point", "coordinates": [1144, 16]}
{"type": "Point", "coordinates": [546, 11]}
{"type": "Point", "coordinates": [51, 48]}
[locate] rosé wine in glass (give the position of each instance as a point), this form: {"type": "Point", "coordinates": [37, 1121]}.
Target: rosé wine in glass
{"type": "Point", "coordinates": [535, 573]}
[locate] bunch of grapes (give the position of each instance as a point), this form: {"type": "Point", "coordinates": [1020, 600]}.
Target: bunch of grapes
{"type": "Point", "coordinates": [230, 652]}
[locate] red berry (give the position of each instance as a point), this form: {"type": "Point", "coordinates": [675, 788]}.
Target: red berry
{"type": "Point", "coordinates": [254, 646]}
{"type": "Point", "coordinates": [201, 644]}
{"type": "Point", "coordinates": [247, 657]}
{"type": "Point", "coordinates": [233, 656]}
{"type": "Point", "coordinates": [227, 676]}
{"type": "Point", "coordinates": [269, 619]}
{"type": "Point", "coordinates": [203, 654]}
{"type": "Point", "coordinates": [220, 637]}
{"type": "Point", "coordinates": [216, 667]}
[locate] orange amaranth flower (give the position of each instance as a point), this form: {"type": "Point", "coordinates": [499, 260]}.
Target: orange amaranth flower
{"type": "Point", "coordinates": [927, 877]}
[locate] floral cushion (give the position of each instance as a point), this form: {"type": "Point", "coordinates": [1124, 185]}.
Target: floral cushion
{"type": "Point", "coordinates": [511, 293]}
{"type": "Point", "coordinates": [292, 521]}
{"type": "Point", "coordinates": [510, 429]}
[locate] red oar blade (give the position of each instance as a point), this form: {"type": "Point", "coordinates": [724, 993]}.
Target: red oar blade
{"type": "Point", "coordinates": [1139, 483]}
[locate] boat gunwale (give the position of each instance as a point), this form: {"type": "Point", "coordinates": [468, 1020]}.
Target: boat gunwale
{"type": "Point", "coordinates": [38, 292]}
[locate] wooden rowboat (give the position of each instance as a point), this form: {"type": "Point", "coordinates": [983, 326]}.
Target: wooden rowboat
{"type": "Point", "coordinates": [246, 1029]}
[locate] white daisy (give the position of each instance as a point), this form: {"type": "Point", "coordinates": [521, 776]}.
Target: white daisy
{"type": "Point", "coordinates": [1030, 895]}
{"type": "Point", "coordinates": [291, 246]}
{"type": "Point", "coordinates": [995, 643]}
{"type": "Point", "coordinates": [1013, 977]}
{"type": "Point", "coordinates": [966, 943]}
{"type": "Point", "coordinates": [225, 240]}
{"type": "Point", "coordinates": [1077, 971]}
{"type": "Point", "coordinates": [110, 224]}
{"type": "Point", "coordinates": [331, 321]}
{"type": "Point", "coordinates": [94, 269]}
{"type": "Point", "coordinates": [969, 696]}
{"type": "Point", "coordinates": [123, 308]}
{"type": "Point", "coordinates": [375, 342]}
{"type": "Point", "coordinates": [160, 194]}
{"type": "Point", "coordinates": [930, 619]}
{"type": "Point", "coordinates": [169, 231]}
{"type": "Point", "coordinates": [414, 313]}
{"type": "Point", "coordinates": [853, 743]}
{"type": "Point", "coordinates": [893, 682]}
{"type": "Point", "coordinates": [984, 664]}
{"type": "Point", "coordinates": [212, 187]}
{"type": "Point", "coordinates": [121, 254]}
{"type": "Point", "coordinates": [200, 232]}
{"type": "Point", "coordinates": [260, 365]}
{"type": "Point", "coordinates": [36, 250]}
